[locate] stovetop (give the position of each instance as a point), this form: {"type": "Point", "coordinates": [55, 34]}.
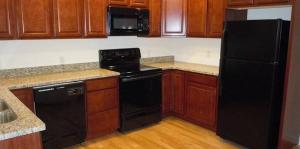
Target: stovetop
{"type": "Point", "coordinates": [134, 70]}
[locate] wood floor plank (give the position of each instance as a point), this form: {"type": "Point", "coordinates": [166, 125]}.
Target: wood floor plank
{"type": "Point", "coordinates": [171, 133]}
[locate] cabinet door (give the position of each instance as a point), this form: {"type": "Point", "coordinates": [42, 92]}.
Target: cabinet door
{"type": "Point", "coordinates": [201, 104]}
{"type": "Point", "coordinates": [139, 3]}
{"type": "Point", "coordinates": [33, 17]}
{"type": "Point", "coordinates": [197, 13]}
{"type": "Point", "coordinates": [25, 96]}
{"type": "Point", "coordinates": [240, 2]}
{"type": "Point", "coordinates": [270, 1]}
{"type": "Point", "coordinates": [177, 103]}
{"type": "Point", "coordinates": [67, 18]}
{"type": "Point", "coordinates": [215, 19]}
{"type": "Point", "coordinates": [95, 18]}
{"type": "Point", "coordinates": [167, 93]}
{"type": "Point", "coordinates": [102, 123]}
{"type": "Point", "coordinates": [155, 18]}
{"type": "Point", "coordinates": [174, 17]}
{"type": "Point", "coordinates": [6, 19]}
{"type": "Point", "coordinates": [119, 2]}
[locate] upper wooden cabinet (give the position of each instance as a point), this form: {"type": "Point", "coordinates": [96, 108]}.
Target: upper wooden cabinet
{"type": "Point", "coordinates": [215, 18]}
{"type": "Point", "coordinates": [67, 18]}
{"type": "Point", "coordinates": [174, 14]}
{"type": "Point", "coordinates": [139, 3]}
{"type": "Point", "coordinates": [258, 2]}
{"type": "Point", "coordinates": [33, 18]}
{"type": "Point", "coordinates": [119, 2]}
{"type": "Point", "coordinates": [95, 15]}
{"type": "Point", "coordinates": [240, 2]}
{"type": "Point", "coordinates": [197, 13]}
{"type": "Point", "coordinates": [7, 29]}
{"type": "Point", "coordinates": [155, 18]}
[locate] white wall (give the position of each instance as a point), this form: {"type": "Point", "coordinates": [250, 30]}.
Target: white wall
{"type": "Point", "coordinates": [28, 53]}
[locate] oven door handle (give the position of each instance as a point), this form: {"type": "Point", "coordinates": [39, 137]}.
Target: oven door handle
{"type": "Point", "coordinates": [140, 77]}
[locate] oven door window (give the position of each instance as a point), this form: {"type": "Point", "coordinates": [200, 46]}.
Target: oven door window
{"type": "Point", "coordinates": [140, 95]}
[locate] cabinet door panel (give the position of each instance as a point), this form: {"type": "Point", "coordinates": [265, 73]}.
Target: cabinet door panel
{"type": "Point", "coordinates": [25, 96]}
{"type": "Point", "coordinates": [119, 2]}
{"type": "Point", "coordinates": [155, 18]}
{"type": "Point", "coordinates": [177, 103]}
{"type": "Point", "coordinates": [67, 18]}
{"type": "Point", "coordinates": [33, 17]}
{"type": "Point", "coordinates": [139, 3]}
{"type": "Point", "coordinates": [270, 1]}
{"type": "Point", "coordinates": [167, 92]}
{"type": "Point", "coordinates": [6, 19]}
{"type": "Point", "coordinates": [240, 2]}
{"type": "Point", "coordinates": [98, 101]}
{"type": "Point", "coordinates": [215, 19]}
{"type": "Point", "coordinates": [102, 123]}
{"type": "Point", "coordinates": [95, 18]}
{"type": "Point", "coordinates": [197, 13]}
{"type": "Point", "coordinates": [174, 17]}
{"type": "Point", "coordinates": [201, 104]}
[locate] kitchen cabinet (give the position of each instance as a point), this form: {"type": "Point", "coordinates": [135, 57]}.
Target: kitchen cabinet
{"type": "Point", "coordinates": [102, 102]}
{"type": "Point", "coordinates": [258, 2]}
{"type": "Point", "coordinates": [197, 14]}
{"type": "Point", "coordinates": [167, 92]}
{"type": "Point", "coordinates": [178, 86]}
{"type": "Point", "coordinates": [139, 3]}
{"type": "Point", "coordinates": [25, 96]}
{"type": "Point", "coordinates": [30, 141]}
{"type": "Point", "coordinates": [7, 28]}
{"type": "Point", "coordinates": [95, 15]}
{"type": "Point", "coordinates": [174, 14]}
{"type": "Point", "coordinates": [67, 18]}
{"type": "Point", "coordinates": [119, 2]}
{"type": "Point", "coordinates": [33, 18]}
{"type": "Point", "coordinates": [240, 2]}
{"type": "Point", "coordinates": [215, 18]}
{"type": "Point", "coordinates": [201, 94]}
{"type": "Point", "coordinates": [155, 18]}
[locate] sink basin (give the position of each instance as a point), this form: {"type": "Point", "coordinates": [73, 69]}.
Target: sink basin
{"type": "Point", "coordinates": [6, 114]}
{"type": "Point", "coordinates": [3, 106]}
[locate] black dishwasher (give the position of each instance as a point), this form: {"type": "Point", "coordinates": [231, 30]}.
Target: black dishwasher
{"type": "Point", "coordinates": [62, 108]}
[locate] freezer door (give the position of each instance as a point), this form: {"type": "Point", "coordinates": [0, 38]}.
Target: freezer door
{"type": "Point", "coordinates": [245, 102]}
{"type": "Point", "coordinates": [256, 40]}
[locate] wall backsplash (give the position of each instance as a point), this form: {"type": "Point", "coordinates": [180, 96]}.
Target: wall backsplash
{"type": "Point", "coordinates": [31, 53]}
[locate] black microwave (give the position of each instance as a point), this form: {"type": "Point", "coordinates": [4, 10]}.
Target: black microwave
{"type": "Point", "coordinates": [128, 21]}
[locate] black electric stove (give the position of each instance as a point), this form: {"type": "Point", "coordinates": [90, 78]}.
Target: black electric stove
{"type": "Point", "coordinates": [140, 87]}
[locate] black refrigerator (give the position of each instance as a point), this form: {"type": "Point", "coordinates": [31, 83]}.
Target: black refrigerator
{"type": "Point", "coordinates": [252, 69]}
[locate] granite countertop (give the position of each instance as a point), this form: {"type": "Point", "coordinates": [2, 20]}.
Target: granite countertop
{"type": "Point", "coordinates": [27, 122]}
{"type": "Point", "coordinates": [191, 67]}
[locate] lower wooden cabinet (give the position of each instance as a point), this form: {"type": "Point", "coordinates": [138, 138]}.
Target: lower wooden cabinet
{"type": "Point", "coordinates": [102, 123]}
{"type": "Point", "coordinates": [191, 96]}
{"type": "Point", "coordinates": [25, 96]}
{"type": "Point", "coordinates": [102, 106]}
{"type": "Point", "coordinates": [31, 141]}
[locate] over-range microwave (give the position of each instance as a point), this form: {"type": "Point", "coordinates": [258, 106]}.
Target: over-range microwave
{"type": "Point", "coordinates": [128, 21]}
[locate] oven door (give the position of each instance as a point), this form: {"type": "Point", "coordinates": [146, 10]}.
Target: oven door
{"type": "Point", "coordinates": [140, 100]}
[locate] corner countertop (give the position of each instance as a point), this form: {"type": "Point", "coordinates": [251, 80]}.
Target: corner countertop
{"type": "Point", "coordinates": [191, 67]}
{"type": "Point", "coordinates": [27, 122]}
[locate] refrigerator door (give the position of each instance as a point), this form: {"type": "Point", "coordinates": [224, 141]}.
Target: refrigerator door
{"type": "Point", "coordinates": [256, 40]}
{"type": "Point", "coordinates": [245, 102]}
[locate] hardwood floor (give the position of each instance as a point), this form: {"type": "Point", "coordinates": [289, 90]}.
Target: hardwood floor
{"type": "Point", "coordinates": [171, 133]}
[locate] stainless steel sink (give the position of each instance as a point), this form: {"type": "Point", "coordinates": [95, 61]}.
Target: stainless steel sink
{"type": "Point", "coordinates": [6, 113]}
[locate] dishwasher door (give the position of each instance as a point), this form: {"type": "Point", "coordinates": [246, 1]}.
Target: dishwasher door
{"type": "Point", "coordinates": [62, 108]}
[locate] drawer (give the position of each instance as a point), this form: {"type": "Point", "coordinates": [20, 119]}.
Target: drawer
{"type": "Point", "coordinates": [98, 84]}
{"type": "Point", "coordinates": [102, 100]}
{"type": "Point", "coordinates": [202, 79]}
{"type": "Point", "coordinates": [102, 123]}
